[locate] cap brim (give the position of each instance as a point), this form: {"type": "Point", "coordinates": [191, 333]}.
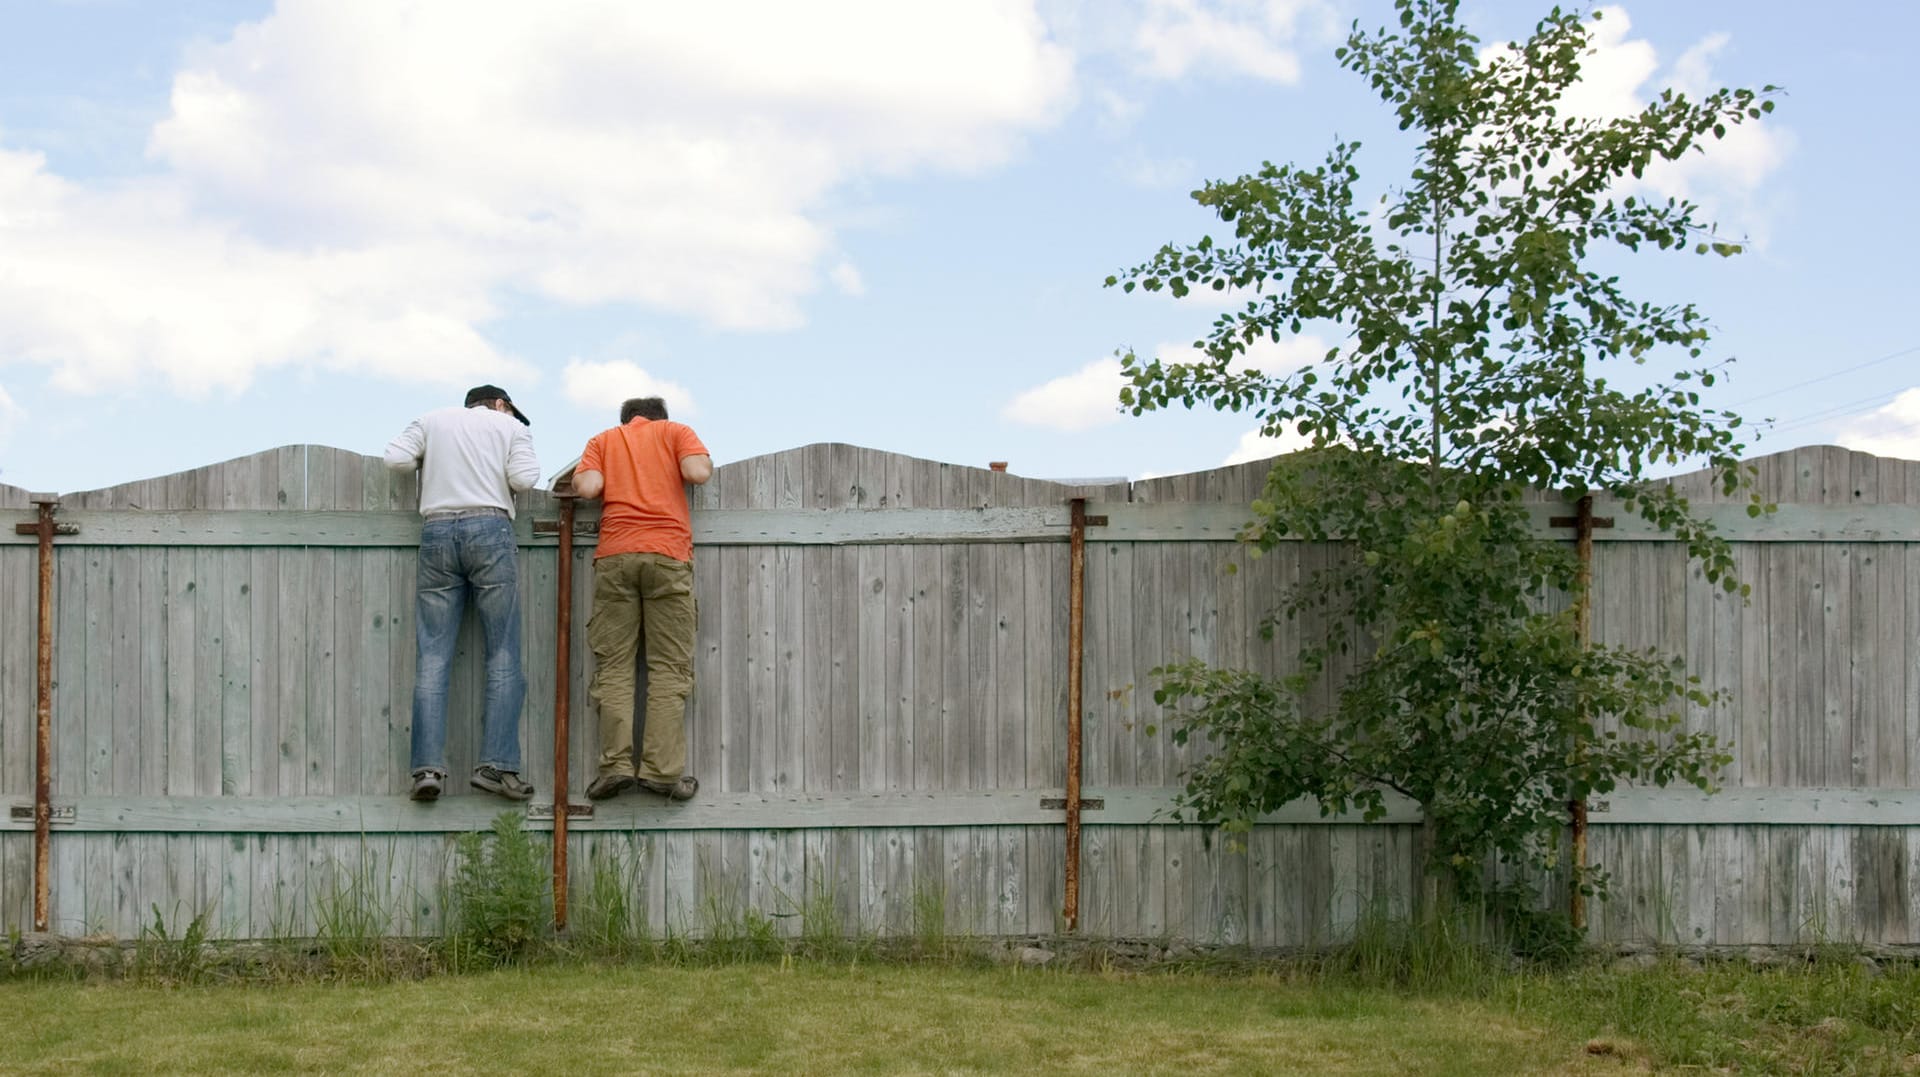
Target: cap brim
{"type": "Point", "coordinates": [520, 415]}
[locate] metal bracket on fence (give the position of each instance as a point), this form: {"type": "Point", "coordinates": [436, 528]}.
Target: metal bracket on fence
{"type": "Point", "coordinates": [34, 529]}
{"type": "Point", "coordinates": [552, 527]}
{"type": "Point", "coordinates": [1599, 522]}
{"type": "Point", "coordinates": [545, 811]}
{"type": "Point", "coordinates": [1597, 807]}
{"type": "Point", "coordinates": [23, 813]}
{"type": "Point", "coordinates": [1096, 521]}
{"type": "Point", "coordinates": [1060, 804]}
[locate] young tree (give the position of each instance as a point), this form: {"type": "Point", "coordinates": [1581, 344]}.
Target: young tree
{"type": "Point", "coordinates": [1475, 330]}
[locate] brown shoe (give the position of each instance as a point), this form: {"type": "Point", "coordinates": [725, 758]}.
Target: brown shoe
{"type": "Point", "coordinates": [608, 786]}
{"type": "Point", "coordinates": [681, 788]}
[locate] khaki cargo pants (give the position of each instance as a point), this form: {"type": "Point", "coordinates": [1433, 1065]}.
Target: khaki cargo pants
{"type": "Point", "coordinates": [636, 595]}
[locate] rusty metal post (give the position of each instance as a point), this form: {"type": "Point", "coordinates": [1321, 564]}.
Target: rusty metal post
{"type": "Point", "coordinates": [1583, 627]}
{"type": "Point", "coordinates": [562, 687]}
{"type": "Point", "coordinates": [1076, 611]}
{"type": "Point", "coordinates": [43, 722]}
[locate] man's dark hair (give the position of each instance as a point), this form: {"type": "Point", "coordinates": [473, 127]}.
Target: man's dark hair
{"type": "Point", "coordinates": [651, 407]}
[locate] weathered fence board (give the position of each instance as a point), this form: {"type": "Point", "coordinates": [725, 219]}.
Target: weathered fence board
{"type": "Point", "coordinates": [880, 707]}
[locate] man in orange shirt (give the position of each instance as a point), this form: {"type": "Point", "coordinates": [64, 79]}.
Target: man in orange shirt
{"type": "Point", "coordinates": [643, 580]}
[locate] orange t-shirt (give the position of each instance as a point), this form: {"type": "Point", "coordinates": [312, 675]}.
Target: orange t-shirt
{"type": "Point", "coordinates": [644, 505]}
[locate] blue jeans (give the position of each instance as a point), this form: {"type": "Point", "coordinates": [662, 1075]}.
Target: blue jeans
{"type": "Point", "coordinates": [459, 555]}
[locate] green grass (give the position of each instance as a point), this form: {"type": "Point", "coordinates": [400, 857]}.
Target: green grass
{"type": "Point", "coordinates": [1828, 1017]}
{"type": "Point", "coordinates": [794, 1017]}
{"type": "Point", "coordinates": [809, 1016]}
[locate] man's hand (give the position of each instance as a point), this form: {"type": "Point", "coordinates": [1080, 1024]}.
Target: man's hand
{"type": "Point", "coordinates": [588, 484]}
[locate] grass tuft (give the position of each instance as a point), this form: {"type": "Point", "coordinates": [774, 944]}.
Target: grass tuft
{"type": "Point", "coordinates": [160, 956]}
{"type": "Point", "coordinates": [502, 897]}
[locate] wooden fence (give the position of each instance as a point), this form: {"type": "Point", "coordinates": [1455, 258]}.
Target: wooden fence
{"type": "Point", "coordinates": [880, 715]}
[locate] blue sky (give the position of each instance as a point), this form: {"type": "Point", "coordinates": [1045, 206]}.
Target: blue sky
{"type": "Point", "coordinates": [226, 226]}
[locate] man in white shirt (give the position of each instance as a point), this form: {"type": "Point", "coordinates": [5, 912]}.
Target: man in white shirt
{"type": "Point", "coordinates": [472, 460]}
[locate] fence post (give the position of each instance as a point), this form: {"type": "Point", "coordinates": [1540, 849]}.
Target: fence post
{"type": "Point", "coordinates": [43, 528]}
{"type": "Point", "coordinates": [1076, 615]}
{"type": "Point", "coordinates": [1583, 628]}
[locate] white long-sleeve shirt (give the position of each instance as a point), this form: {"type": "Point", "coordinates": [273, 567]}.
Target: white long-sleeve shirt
{"type": "Point", "coordinates": [469, 458]}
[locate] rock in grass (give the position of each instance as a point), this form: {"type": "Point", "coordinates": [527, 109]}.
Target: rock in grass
{"type": "Point", "coordinates": [1636, 962]}
{"type": "Point", "coordinates": [1034, 956]}
{"type": "Point", "coordinates": [37, 949]}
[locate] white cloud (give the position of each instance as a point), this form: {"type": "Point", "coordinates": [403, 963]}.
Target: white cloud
{"type": "Point", "coordinates": [1254, 445]}
{"type": "Point", "coordinates": [1893, 430]}
{"type": "Point", "coordinates": [602, 387]}
{"type": "Point", "coordinates": [1090, 396]}
{"type": "Point", "coordinates": [1084, 399]}
{"type": "Point", "coordinates": [1620, 76]}
{"type": "Point", "coordinates": [1252, 38]}
{"type": "Point", "coordinates": [10, 415]}
{"type": "Point", "coordinates": [1117, 111]}
{"type": "Point", "coordinates": [107, 287]}
{"type": "Point", "coordinates": [1171, 173]}
{"type": "Point", "coordinates": [846, 277]}
{"type": "Point", "coordinates": [348, 185]}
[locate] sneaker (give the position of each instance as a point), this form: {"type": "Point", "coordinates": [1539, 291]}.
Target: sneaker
{"type": "Point", "coordinates": [608, 786]}
{"type": "Point", "coordinates": [504, 783]}
{"type": "Point", "coordinates": [681, 788]}
{"type": "Point", "coordinates": [426, 785]}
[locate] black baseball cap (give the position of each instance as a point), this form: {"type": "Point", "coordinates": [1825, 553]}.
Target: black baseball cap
{"type": "Point", "coordinates": [480, 394]}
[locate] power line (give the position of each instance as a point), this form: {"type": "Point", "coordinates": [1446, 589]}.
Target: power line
{"type": "Point", "coordinates": [1829, 375]}
{"type": "Point", "coordinates": [1840, 411]}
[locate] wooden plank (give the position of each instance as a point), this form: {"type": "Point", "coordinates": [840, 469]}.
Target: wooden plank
{"type": "Point", "coordinates": [763, 719]}
{"type": "Point", "coordinates": [127, 740]}
{"type": "Point", "coordinates": [16, 883]}
{"type": "Point", "coordinates": [19, 602]}
{"type": "Point", "coordinates": [1884, 679]}
{"type": "Point", "coordinates": [94, 660]}
{"type": "Point", "coordinates": [1754, 699]}
{"type": "Point", "coordinates": [876, 644]}
{"type": "Point", "coordinates": [537, 589]}
{"type": "Point", "coordinates": [1099, 871]}
{"type": "Point", "coordinates": [397, 814]}
{"type": "Point", "coordinates": [375, 706]}
{"type": "Point", "coordinates": [1010, 672]}
{"type": "Point", "coordinates": [897, 717]}
{"type": "Point", "coordinates": [180, 640]}
{"type": "Point", "coordinates": [839, 603]}
{"type": "Point", "coordinates": [1044, 627]}
{"type": "Point", "coordinates": [979, 694]}
{"type": "Point", "coordinates": [1120, 806]}
{"type": "Point", "coordinates": [280, 703]}
{"type": "Point", "coordinates": [1176, 522]}
{"type": "Point", "coordinates": [1138, 647]}
{"type": "Point", "coordinates": [923, 703]}
{"type": "Point", "coordinates": [737, 666]}
{"type": "Point", "coordinates": [712, 527]}
{"type": "Point", "coordinates": [402, 657]}
{"type": "Point", "coordinates": [803, 711]}
{"type": "Point", "coordinates": [341, 765]}
{"type": "Point", "coordinates": [1182, 844]}
{"type": "Point", "coordinates": [1910, 697]}
{"type": "Point", "coordinates": [1779, 672]}
{"type": "Point", "coordinates": [317, 665]}
{"type": "Point", "coordinates": [962, 734]}
{"type": "Point", "coordinates": [150, 657]}
{"type": "Point", "coordinates": [1836, 758]}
